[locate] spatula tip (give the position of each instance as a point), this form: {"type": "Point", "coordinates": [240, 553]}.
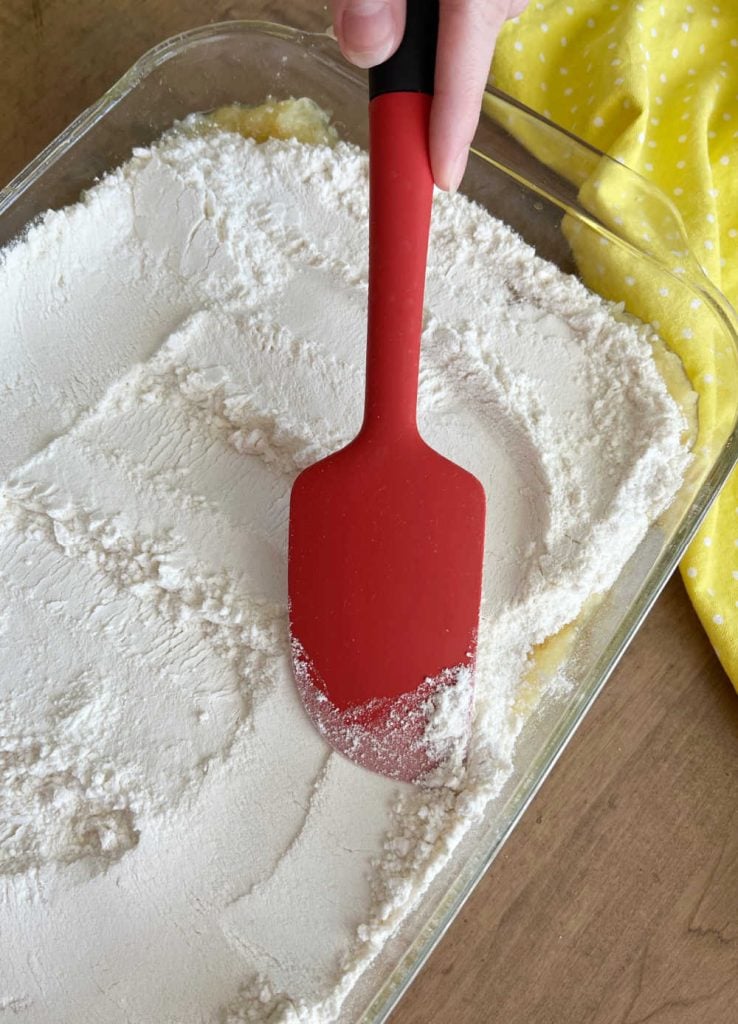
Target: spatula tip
{"type": "Point", "coordinates": [420, 737]}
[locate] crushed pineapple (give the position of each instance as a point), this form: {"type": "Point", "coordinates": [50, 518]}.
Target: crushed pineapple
{"type": "Point", "coordinates": [300, 119]}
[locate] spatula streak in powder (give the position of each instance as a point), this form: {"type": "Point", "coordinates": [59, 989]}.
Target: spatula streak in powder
{"type": "Point", "coordinates": [386, 535]}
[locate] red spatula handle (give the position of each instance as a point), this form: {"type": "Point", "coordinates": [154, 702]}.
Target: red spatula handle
{"type": "Point", "coordinates": [401, 191]}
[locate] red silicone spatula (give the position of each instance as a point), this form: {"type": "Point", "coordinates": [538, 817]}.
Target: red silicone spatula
{"type": "Point", "coordinates": [386, 535]}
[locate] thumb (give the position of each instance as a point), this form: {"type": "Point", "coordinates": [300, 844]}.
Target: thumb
{"type": "Point", "coordinates": [368, 31]}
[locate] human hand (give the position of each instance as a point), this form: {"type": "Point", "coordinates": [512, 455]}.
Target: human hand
{"type": "Point", "coordinates": [369, 31]}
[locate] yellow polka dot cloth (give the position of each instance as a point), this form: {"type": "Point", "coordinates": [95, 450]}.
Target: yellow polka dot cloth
{"type": "Point", "coordinates": [654, 85]}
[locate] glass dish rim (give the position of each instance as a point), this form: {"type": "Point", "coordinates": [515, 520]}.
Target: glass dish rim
{"type": "Point", "coordinates": [403, 973]}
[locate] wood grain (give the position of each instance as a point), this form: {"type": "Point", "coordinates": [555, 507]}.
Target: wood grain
{"type": "Point", "coordinates": [616, 899]}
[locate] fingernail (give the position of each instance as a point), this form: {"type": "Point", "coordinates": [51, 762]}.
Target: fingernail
{"type": "Point", "coordinates": [457, 171]}
{"type": "Point", "coordinates": [368, 32]}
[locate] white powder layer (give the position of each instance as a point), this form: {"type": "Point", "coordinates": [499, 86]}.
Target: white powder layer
{"type": "Point", "coordinates": [177, 842]}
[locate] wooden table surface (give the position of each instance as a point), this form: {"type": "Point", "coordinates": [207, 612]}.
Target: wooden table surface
{"type": "Point", "coordinates": [616, 899]}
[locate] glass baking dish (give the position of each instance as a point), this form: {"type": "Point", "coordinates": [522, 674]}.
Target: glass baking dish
{"type": "Point", "coordinates": [542, 197]}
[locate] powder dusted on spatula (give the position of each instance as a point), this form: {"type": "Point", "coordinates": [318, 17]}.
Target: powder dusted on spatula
{"type": "Point", "coordinates": [177, 842]}
{"type": "Point", "coordinates": [421, 736]}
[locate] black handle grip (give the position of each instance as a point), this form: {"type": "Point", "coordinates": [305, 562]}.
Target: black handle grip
{"type": "Point", "coordinates": [412, 67]}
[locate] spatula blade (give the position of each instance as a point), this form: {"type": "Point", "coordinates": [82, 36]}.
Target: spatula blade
{"type": "Point", "coordinates": [385, 573]}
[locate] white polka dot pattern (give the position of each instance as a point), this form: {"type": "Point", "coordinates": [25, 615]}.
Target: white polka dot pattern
{"type": "Point", "coordinates": [655, 85]}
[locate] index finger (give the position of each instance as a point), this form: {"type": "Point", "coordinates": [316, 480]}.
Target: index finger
{"type": "Point", "coordinates": [467, 33]}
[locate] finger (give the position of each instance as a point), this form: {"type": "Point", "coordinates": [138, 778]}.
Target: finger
{"type": "Point", "coordinates": [467, 33]}
{"type": "Point", "coordinates": [368, 31]}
